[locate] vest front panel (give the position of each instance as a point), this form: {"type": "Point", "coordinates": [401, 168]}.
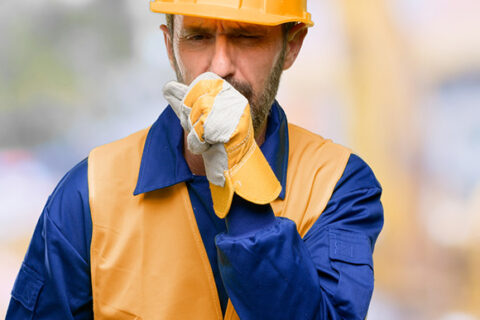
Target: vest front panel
{"type": "Point", "coordinates": [147, 256]}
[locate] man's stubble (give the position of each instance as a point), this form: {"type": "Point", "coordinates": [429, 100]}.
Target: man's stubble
{"type": "Point", "coordinates": [261, 103]}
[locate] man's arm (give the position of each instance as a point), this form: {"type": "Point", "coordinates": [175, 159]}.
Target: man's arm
{"type": "Point", "coordinates": [271, 273]}
{"type": "Point", "coordinates": [267, 269]}
{"type": "Point", "coordinates": [54, 279]}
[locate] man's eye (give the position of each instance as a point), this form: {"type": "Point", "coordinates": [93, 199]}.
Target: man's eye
{"type": "Point", "coordinates": [248, 36]}
{"type": "Point", "coordinates": [197, 37]}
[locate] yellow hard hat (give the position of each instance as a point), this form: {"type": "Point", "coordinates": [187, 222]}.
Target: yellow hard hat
{"type": "Point", "coordinates": [265, 12]}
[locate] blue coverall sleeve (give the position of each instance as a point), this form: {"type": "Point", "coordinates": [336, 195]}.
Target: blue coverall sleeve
{"type": "Point", "coordinates": [272, 273]}
{"type": "Point", "coordinates": [54, 279]}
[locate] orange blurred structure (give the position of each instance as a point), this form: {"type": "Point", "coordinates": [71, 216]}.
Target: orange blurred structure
{"type": "Point", "coordinates": [423, 277]}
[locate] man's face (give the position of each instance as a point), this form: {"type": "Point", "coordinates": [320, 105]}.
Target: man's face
{"type": "Point", "coordinates": [250, 57]}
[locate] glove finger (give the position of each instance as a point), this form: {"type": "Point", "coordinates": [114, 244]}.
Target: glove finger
{"type": "Point", "coordinates": [216, 163]}
{"type": "Point", "coordinates": [199, 127]}
{"type": "Point", "coordinates": [203, 87]}
{"type": "Point", "coordinates": [201, 108]}
{"type": "Point", "coordinates": [174, 92]}
{"type": "Point", "coordinates": [195, 144]}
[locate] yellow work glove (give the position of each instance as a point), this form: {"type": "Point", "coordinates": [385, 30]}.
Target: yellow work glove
{"type": "Point", "coordinates": [219, 126]}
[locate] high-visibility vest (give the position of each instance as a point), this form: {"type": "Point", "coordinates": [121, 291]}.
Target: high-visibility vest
{"type": "Point", "coordinates": [148, 260]}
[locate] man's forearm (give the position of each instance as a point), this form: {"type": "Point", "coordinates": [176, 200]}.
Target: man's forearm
{"type": "Point", "coordinates": [266, 267]}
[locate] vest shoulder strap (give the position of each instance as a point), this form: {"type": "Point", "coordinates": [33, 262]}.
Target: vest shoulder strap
{"type": "Point", "coordinates": [119, 157]}
{"type": "Point", "coordinates": [315, 165]}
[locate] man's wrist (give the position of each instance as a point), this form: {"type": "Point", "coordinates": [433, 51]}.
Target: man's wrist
{"type": "Point", "coordinates": [246, 217]}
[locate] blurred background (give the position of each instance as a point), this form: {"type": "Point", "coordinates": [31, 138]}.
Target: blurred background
{"type": "Point", "coordinates": [398, 81]}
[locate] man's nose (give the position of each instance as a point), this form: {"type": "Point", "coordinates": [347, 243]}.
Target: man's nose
{"type": "Point", "coordinates": [222, 60]}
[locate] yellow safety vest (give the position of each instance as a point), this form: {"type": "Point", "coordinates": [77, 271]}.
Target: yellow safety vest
{"type": "Point", "coordinates": [148, 260]}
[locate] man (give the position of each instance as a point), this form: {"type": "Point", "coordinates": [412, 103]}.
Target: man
{"type": "Point", "coordinates": [221, 209]}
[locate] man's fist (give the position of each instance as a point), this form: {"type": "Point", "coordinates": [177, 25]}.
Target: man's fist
{"type": "Point", "coordinates": [219, 126]}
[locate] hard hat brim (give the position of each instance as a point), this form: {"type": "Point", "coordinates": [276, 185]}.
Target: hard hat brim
{"type": "Point", "coordinates": [226, 13]}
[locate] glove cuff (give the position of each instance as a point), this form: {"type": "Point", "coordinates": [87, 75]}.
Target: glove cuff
{"type": "Point", "coordinates": [222, 196]}
{"type": "Point", "coordinates": [252, 179]}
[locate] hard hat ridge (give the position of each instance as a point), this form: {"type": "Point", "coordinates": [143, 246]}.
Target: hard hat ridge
{"type": "Point", "coordinates": [264, 12]}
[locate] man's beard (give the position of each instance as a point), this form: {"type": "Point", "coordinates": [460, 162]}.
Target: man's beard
{"type": "Point", "coordinates": [260, 104]}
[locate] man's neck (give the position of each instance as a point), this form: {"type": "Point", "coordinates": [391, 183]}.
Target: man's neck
{"type": "Point", "coordinates": [195, 161]}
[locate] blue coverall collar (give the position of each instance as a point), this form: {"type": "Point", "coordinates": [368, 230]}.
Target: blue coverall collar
{"type": "Point", "coordinates": [164, 165]}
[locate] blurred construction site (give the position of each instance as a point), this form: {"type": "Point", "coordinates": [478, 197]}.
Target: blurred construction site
{"type": "Point", "coordinates": [397, 81]}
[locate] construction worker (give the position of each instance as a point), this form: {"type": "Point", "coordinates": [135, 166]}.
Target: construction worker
{"type": "Point", "coordinates": [221, 209]}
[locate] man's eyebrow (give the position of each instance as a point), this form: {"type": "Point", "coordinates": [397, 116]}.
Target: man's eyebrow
{"type": "Point", "coordinates": [195, 29]}
{"type": "Point", "coordinates": [250, 29]}
{"type": "Point", "coordinates": [238, 29]}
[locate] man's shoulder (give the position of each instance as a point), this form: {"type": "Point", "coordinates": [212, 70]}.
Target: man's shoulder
{"type": "Point", "coordinates": [357, 175]}
{"type": "Point", "coordinates": [307, 146]}
{"type": "Point", "coordinates": [301, 136]}
{"type": "Point", "coordinates": [68, 207]}
{"type": "Point", "coordinates": [117, 162]}
{"type": "Point", "coordinates": [133, 141]}
{"type": "Point", "coordinates": [73, 187]}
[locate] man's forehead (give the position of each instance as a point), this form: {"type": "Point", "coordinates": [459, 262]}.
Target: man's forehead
{"type": "Point", "coordinates": [189, 22]}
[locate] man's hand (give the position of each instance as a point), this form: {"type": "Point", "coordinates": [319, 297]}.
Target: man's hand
{"type": "Point", "coordinates": [219, 126]}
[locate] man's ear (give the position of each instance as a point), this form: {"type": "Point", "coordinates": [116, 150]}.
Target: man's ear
{"type": "Point", "coordinates": [295, 38]}
{"type": "Point", "coordinates": [167, 36]}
